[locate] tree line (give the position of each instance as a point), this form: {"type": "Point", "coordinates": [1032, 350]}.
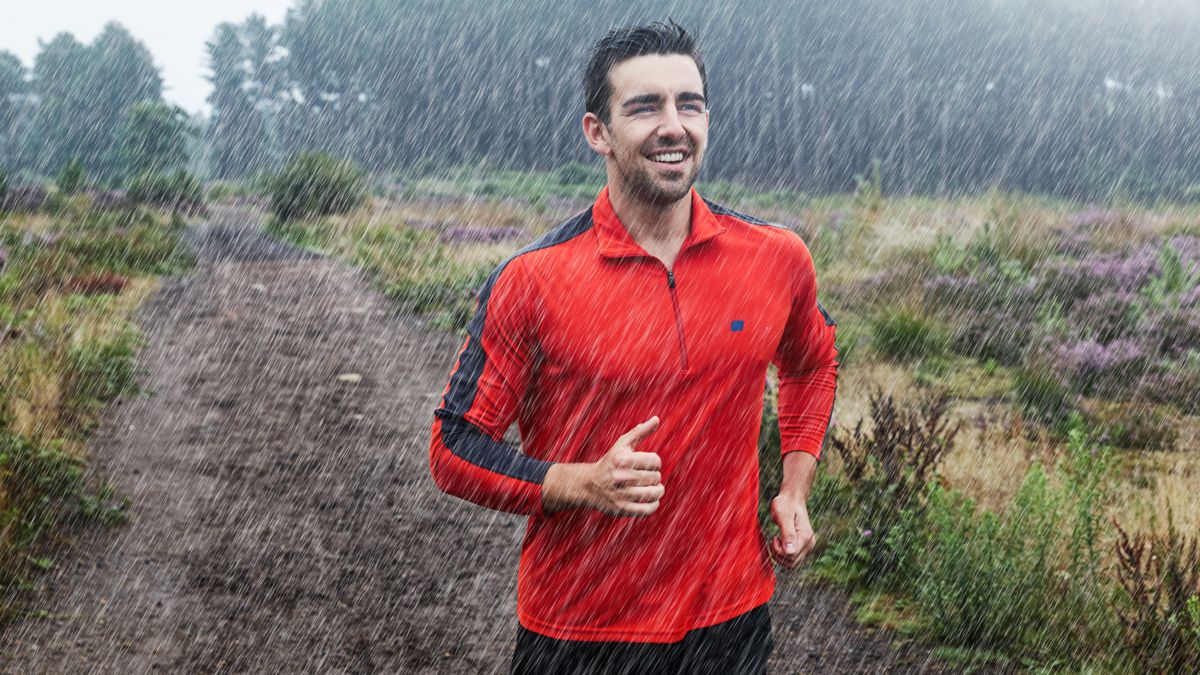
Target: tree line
{"type": "Point", "coordinates": [1065, 97]}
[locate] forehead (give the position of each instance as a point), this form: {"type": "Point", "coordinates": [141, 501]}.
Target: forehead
{"type": "Point", "coordinates": [655, 74]}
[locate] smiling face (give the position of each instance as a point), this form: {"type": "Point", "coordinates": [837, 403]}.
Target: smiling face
{"type": "Point", "coordinates": [658, 130]}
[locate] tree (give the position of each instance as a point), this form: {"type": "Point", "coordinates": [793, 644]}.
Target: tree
{"type": "Point", "coordinates": [84, 94]}
{"type": "Point", "coordinates": [12, 86]}
{"type": "Point", "coordinates": [244, 81]}
{"type": "Point", "coordinates": [154, 139]}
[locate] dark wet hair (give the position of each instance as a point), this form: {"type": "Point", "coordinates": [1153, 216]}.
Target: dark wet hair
{"type": "Point", "coordinates": [621, 44]}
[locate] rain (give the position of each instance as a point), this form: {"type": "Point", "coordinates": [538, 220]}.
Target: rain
{"type": "Point", "coordinates": [354, 368]}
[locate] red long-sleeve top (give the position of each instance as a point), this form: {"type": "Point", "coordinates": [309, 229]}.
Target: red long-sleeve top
{"type": "Point", "coordinates": [581, 336]}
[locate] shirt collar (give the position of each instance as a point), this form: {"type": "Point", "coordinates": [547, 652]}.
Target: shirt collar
{"type": "Point", "coordinates": [616, 242]}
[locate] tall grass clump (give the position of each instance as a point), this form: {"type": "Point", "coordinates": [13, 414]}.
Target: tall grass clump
{"type": "Point", "coordinates": [905, 335]}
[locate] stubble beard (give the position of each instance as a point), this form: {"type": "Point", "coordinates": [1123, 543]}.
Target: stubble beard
{"type": "Point", "coordinates": [640, 184]}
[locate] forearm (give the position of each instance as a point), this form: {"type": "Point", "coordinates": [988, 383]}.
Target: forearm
{"type": "Point", "coordinates": [799, 469]}
{"type": "Point", "coordinates": [468, 464]}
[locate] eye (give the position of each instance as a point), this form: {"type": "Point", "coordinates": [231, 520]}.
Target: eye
{"type": "Point", "coordinates": [695, 108]}
{"type": "Point", "coordinates": [641, 110]}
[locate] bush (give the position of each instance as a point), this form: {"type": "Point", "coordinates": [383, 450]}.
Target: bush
{"type": "Point", "coordinates": [1160, 577]}
{"type": "Point", "coordinates": [316, 184]}
{"type": "Point", "coordinates": [888, 470]}
{"type": "Point", "coordinates": [1029, 581]}
{"type": "Point", "coordinates": [574, 173]}
{"type": "Point", "coordinates": [24, 199]}
{"type": "Point", "coordinates": [179, 191]}
{"type": "Point", "coordinates": [72, 177]}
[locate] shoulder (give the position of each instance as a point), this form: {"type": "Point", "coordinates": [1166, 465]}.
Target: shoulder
{"type": "Point", "coordinates": [521, 266]}
{"type": "Point", "coordinates": [781, 239]}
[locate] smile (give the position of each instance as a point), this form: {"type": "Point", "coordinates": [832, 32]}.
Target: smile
{"type": "Point", "coordinates": [668, 157]}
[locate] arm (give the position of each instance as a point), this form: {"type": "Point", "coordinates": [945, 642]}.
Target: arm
{"type": "Point", "coordinates": [807, 363]}
{"type": "Point", "coordinates": [467, 456]}
{"type": "Point", "coordinates": [469, 460]}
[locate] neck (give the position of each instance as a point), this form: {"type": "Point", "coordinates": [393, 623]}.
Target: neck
{"type": "Point", "coordinates": [652, 223]}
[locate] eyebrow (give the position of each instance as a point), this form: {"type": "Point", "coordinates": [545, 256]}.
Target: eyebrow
{"type": "Point", "coordinates": [655, 98]}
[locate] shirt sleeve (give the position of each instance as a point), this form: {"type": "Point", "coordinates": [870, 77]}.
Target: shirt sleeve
{"type": "Point", "coordinates": [467, 454]}
{"type": "Point", "coordinates": [807, 363]}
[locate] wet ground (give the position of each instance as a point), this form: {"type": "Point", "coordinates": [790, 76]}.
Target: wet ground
{"type": "Point", "coordinates": [283, 518]}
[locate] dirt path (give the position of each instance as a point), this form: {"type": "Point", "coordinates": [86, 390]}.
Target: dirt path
{"type": "Point", "coordinates": [284, 520]}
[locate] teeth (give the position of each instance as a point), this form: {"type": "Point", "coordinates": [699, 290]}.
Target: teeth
{"type": "Point", "coordinates": [668, 157]}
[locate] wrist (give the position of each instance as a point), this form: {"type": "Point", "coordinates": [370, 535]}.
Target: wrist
{"type": "Point", "coordinates": [564, 487]}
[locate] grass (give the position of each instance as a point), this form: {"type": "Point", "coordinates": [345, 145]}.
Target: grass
{"type": "Point", "coordinates": [69, 287]}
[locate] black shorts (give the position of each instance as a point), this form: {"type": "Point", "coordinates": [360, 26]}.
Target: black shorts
{"type": "Point", "coordinates": [735, 647]}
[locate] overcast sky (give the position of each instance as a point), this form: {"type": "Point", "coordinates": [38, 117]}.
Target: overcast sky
{"type": "Point", "coordinates": [174, 32]}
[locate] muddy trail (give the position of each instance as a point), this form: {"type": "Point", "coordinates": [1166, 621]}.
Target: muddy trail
{"type": "Point", "coordinates": [283, 518]}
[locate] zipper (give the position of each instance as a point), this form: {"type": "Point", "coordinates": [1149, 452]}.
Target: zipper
{"type": "Point", "coordinates": [678, 318]}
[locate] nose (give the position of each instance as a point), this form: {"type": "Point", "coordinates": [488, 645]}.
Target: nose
{"type": "Point", "coordinates": [669, 125]}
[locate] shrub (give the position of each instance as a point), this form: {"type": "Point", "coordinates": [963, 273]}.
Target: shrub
{"type": "Point", "coordinates": [888, 470]}
{"type": "Point", "coordinates": [1029, 581]}
{"type": "Point", "coordinates": [43, 487]}
{"type": "Point", "coordinates": [72, 177]}
{"type": "Point", "coordinates": [903, 335]}
{"type": "Point", "coordinates": [315, 184]}
{"type": "Point", "coordinates": [868, 192]}
{"type": "Point", "coordinates": [180, 191]}
{"type": "Point", "coordinates": [1136, 425]}
{"type": "Point", "coordinates": [574, 173]}
{"type": "Point", "coordinates": [103, 370]}
{"type": "Point", "coordinates": [24, 199]}
{"type": "Point", "coordinates": [1160, 578]}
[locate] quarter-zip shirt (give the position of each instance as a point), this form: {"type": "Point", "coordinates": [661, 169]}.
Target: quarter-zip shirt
{"type": "Point", "coordinates": [581, 336]}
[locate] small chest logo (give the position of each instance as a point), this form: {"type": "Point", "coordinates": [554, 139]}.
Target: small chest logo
{"type": "Point", "coordinates": [737, 326]}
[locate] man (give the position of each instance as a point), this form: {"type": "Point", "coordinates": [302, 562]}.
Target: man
{"type": "Point", "coordinates": [631, 345]}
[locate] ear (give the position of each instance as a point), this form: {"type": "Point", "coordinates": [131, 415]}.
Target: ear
{"type": "Point", "coordinates": [596, 134]}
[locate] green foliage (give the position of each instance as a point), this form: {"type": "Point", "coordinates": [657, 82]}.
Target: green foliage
{"type": "Point", "coordinates": [903, 335]}
{"type": "Point", "coordinates": [178, 189]}
{"type": "Point", "coordinates": [316, 184]}
{"type": "Point", "coordinates": [1013, 581]}
{"type": "Point", "coordinates": [155, 139]}
{"type": "Point", "coordinates": [72, 177]}
{"type": "Point", "coordinates": [44, 488]}
{"type": "Point", "coordinates": [574, 173]}
{"type": "Point", "coordinates": [948, 256]}
{"type": "Point", "coordinates": [1042, 396]}
{"type": "Point", "coordinates": [103, 370]}
{"type": "Point", "coordinates": [868, 192]}
{"type": "Point", "coordinates": [1173, 280]}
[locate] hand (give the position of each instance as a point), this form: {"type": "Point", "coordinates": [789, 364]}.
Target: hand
{"type": "Point", "coordinates": [795, 539]}
{"type": "Point", "coordinates": [625, 482]}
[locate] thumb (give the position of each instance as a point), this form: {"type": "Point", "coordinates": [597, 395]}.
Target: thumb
{"type": "Point", "coordinates": [641, 431]}
{"type": "Point", "coordinates": [787, 530]}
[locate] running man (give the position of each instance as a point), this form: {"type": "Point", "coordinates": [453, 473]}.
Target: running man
{"type": "Point", "coordinates": [631, 345]}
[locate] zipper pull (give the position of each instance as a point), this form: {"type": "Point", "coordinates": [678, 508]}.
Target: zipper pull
{"type": "Point", "coordinates": [670, 279]}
